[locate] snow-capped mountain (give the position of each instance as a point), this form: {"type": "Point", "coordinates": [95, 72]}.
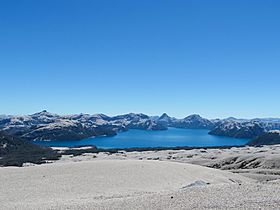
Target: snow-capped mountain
{"type": "Point", "coordinates": [244, 128]}
{"type": "Point", "coordinates": [238, 129]}
{"type": "Point", "coordinates": [166, 120]}
{"type": "Point", "coordinates": [192, 122]}
{"type": "Point", "coordinates": [137, 121]}
{"type": "Point", "coordinates": [47, 126]}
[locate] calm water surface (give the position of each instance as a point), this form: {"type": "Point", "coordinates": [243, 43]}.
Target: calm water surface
{"type": "Point", "coordinates": [141, 138]}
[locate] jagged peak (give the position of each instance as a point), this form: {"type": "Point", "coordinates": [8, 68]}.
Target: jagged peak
{"type": "Point", "coordinates": [164, 115]}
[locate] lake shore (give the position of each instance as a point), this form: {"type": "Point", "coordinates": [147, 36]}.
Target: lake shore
{"type": "Point", "coordinates": [139, 138]}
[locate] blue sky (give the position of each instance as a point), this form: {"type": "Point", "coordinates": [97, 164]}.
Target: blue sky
{"type": "Point", "coordinates": [216, 58]}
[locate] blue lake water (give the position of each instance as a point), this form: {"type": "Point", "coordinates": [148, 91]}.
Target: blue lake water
{"type": "Point", "coordinates": [142, 138]}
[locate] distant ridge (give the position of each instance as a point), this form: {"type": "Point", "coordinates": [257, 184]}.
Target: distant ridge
{"type": "Point", "coordinates": [48, 126]}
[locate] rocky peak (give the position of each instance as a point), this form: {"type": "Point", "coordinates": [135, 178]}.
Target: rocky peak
{"type": "Point", "coordinates": [44, 113]}
{"type": "Point", "coordinates": [193, 117]}
{"type": "Point", "coordinates": [164, 116]}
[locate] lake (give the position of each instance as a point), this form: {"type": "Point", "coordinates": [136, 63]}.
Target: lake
{"type": "Point", "coordinates": [143, 138]}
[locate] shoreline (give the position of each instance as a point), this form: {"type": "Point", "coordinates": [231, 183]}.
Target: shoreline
{"type": "Point", "coordinates": [79, 150]}
{"type": "Point", "coordinates": [186, 139]}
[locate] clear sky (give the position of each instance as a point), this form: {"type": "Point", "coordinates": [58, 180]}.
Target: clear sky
{"type": "Point", "coordinates": [217, 58]}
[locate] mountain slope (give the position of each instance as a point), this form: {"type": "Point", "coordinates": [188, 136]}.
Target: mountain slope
{"type": "Point", "coordinates": [269, 138]}
{"type": "Point", "coordinates": [47, 126]}
{"type": "Point", "coordinates": [193, 122]}
{"type": "Point", "coordinates": [137, 121]}
{"type": "Point", "coordinates": [15, 152]}
{"type": "Point", "coordinates": [238, 129]}
{"type": "Point", "coordinates": [190, 122]}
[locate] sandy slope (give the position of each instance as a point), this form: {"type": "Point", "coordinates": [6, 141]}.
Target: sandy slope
{"type": "Point", "coordinates": [109, 184]}
{"type": "Point", "coordinates": [223, 196]}
{"type": "Point", "coordinates": [261, 163]}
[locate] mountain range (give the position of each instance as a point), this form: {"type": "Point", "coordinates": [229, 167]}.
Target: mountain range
{"type": "Point", "coordinates": [48, 126]}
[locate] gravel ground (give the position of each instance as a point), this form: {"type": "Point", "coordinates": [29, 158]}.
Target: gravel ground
{"type": "Point", "coordinates": [160, 180]}
{"type": "Point", "coordinates": [109, 184]}
{"type": "Point", "coordinates": [261, 163]}
{"type": "Point", "coordinates": [225, 196]}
